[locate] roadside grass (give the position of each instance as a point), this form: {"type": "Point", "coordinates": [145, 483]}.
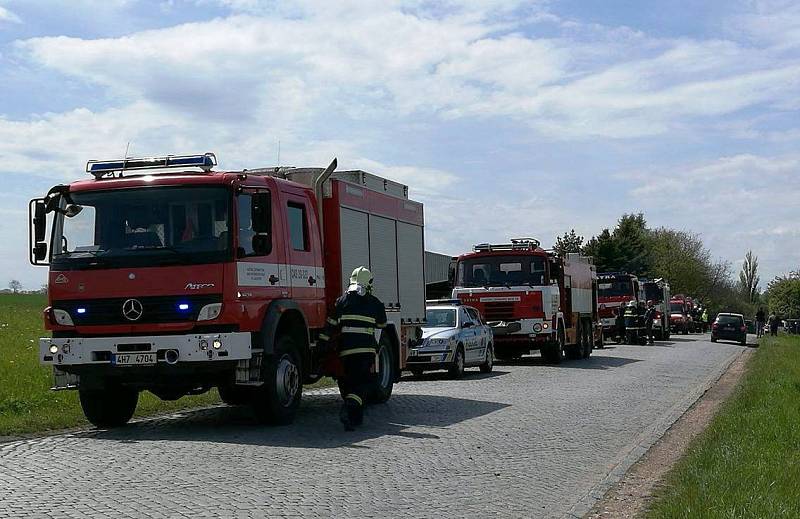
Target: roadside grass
{"type": "Point", "coordinates": [747, 463]}
{"type": "Point", "coordinates": [26, 402]}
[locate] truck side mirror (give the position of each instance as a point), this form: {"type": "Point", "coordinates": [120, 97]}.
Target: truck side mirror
{"type": "Point", "coordinates": [39, 252]}
{"type": "Point", "coordinates": [261, 213]}
{"type": "Point", "coordinates": [39, 220]}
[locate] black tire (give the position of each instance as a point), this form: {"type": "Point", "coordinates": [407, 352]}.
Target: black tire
{"type": "Point", "coordinates": [232, 394]}
{"type": "Point", "coordinates": [553, 353]}
{"type": "Point", "coordinates": [384, 378]}
{"type": "Point", "coordinates": [488, 363]}
{"type": "Point", "coordinates": [277, 400]}
{"type": "Point", "coordinates": [456, 369]}
{"type": "Point", "coordinates": [110, 407]}
{"type": "Point", "coordinates": [588, 339]}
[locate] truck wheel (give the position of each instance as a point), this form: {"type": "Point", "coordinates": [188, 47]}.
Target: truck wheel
{"type": "Point", "coordinates": [384, 378]}
{"type": "Point", "coordinates": [232, 394]}
{"type": "Point", "coordinates": [110, 407]}
{"type": "Point", "coordinates": [553, 353]}
{"type": "Point", "coordinates": [588, 338]}
{"type": "Point", "coordinates": [278, 399]}
{"type": "Point", "coordinates": [488, 363]}
{"type": "Point", "coordinates": [457, 368]}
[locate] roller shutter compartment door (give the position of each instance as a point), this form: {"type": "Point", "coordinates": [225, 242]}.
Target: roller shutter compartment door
{"type": "Point", "coordinates": [383, 258]}
{"type": "Point", "coordinates": [355, 242]}
{"type": "Point", "coordinates": [411, 270]}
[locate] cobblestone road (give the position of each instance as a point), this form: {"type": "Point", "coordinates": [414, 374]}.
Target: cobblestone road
{"type": "Point", "coordinates": [528, 440]}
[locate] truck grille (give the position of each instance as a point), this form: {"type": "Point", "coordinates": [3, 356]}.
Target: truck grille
{"type": "Point", "coordinates": [161, 309]}
{"type": "Point", "coordinates": [498, 311]}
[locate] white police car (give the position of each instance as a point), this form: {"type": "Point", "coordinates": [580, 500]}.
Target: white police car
{"type": "Point", "coordinates": [455, 337]}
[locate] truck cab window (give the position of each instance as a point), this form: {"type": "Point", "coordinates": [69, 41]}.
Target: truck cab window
{"type": "Point", "coordinates": [298, 226]}
{"type": "Point", "coordinates": [246, 232]}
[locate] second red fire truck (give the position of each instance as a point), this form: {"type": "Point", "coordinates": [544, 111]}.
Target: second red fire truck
{"type": "Point", "coordinates": [615, 291]}
{"type": "Point", "coordinates": [533, 299]}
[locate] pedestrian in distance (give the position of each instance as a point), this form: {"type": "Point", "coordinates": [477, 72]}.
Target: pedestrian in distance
{"type": "Point", "coordinates": [704, 318]}
{"type": "Point", "coordinates": [619, 321]}
{"type": "Point", "coordinates": [649, 317]}
{"type": "Point", "coordinates": [760, 321]}
{"type": "Point", "coordinates": [773, 324]}
{"type": "Point", "coordinates": [356, 316]}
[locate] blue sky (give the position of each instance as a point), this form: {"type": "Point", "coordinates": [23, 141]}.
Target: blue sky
{"type": "Point", "coordinates": [506, 118]}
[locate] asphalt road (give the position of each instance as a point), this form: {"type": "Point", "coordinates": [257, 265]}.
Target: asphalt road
{"type": "Point", "coordinates": [528, 440]}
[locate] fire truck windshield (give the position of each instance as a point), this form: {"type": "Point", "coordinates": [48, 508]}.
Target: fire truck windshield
{"type": "Point", "coordinates": [676, 308]}
{"type": "Point", "coordinates": [654, 293]}
{"type": "Point", "coordinates": [615, 288]}
{"type": "Point", "coordinates": [502, 271]}
{"type": "Point", "coordinates": [144, 227]}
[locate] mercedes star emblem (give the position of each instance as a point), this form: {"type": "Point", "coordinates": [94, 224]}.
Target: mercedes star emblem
{"type": "Point", "coordinates": [132, 309]}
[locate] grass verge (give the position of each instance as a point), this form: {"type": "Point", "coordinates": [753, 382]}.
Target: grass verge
{"type": "Point", "coordinates": [747, 463]}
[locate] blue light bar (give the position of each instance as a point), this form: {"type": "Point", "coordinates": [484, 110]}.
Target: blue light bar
{"type": "Point", "coordinates": [99, 168]}
{"type": "Point", "coordinates": [81, 310]}
{"type": "Point", "coordinates": [183, 307]}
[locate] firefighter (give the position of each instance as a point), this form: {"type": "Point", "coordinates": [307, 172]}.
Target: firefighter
{"type": "Point", "coordinates": [649, 317]}
{"type": "Point", "coordinates": [704, 317]}
{"type": "Point", "coordinates": [619, 322]}
{"type": "Point", "coordinates": [355, 317]}
{"type": "Point", "coordinates": [631, 314]}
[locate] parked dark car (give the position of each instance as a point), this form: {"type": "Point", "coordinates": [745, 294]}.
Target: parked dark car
{"type": "Point", "coordinates": [730, 327]}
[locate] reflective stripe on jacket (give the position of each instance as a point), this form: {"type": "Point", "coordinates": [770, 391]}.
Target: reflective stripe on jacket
{"type": "Point", "coordinates": [356, 318]}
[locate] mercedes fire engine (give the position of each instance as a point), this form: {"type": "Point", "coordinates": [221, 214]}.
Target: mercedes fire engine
{"type": "Point", "coordinates": [532, 299]}
{"type": "Point", "coordinates": [615, 290]}
{"type": "Point", "coordinates": [168, 276]}
{"type": "Point", "coordinates": [658, 292]}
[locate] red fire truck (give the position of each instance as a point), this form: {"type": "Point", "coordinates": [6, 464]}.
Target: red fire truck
{"type": "Point", "coordinates": [532, 299]}
{"type": "Point", "coordinates": [679, 318]}
{"type": "Point", "coordinates": [616, 289]}
{"type": "Point", "coordinates": [177, 282]}
{"type": "Point", "coordinates": [658, 291]}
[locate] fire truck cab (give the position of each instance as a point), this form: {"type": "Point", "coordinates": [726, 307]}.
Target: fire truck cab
{"type": "Point", "coordinates": [616, 289]}
{"type": "Point", "coordinates": [532, 299]}
{"type": "Point", "coordinates": [177, 282]}
{"type": "Point", "coordinates": [658, 291]}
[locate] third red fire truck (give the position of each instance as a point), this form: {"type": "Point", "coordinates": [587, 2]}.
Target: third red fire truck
{"type": "Point", "coordinates": [533, 299]}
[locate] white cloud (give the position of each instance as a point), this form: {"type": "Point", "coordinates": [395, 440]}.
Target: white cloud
{"type": "Point", "coordinates": [370, 59]}
{"type": "Point", "coordinates": [8, 16]}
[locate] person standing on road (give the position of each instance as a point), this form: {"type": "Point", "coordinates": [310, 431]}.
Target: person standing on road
{"type": "Point", "coordinates": [704, 318]}
{"type": "Point", "coordinates": [619, 322]}
{"type": "Point", "coordinates": [760, 321]}
{"type": "Point", "coordinates": [355, 317]}
{"type": "Point", "coordinates": [649, 317]}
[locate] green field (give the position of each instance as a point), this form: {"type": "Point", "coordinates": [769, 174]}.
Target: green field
{"type": "Point", "coordinates": [747, 463]}
{"type": "Point", "coordinates": [26, 403]}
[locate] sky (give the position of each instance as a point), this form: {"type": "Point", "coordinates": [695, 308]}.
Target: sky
{"type": "Point", "coordinates": [506, 118]}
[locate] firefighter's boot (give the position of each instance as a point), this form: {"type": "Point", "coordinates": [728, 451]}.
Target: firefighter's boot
{"type": "Point", "coordinates": [344, 417]}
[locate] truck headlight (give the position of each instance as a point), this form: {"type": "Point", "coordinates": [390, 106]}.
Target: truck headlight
{"type": "Point", "coordinates": [217, 344]}
{"type": "Point", "coordinates": [53, 349]}
{"type": "Point", "coordinates": [210, 312]}
{"type": "Point", "coordinates": [62, 317]}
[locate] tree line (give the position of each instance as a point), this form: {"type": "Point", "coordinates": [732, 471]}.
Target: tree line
{"type": "Point", "coordinates": [681, 258]}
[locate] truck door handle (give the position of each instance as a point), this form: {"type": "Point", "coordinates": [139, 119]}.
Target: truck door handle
{"type": "Point", "coordinates": [312, 281]}
{"type": "Point", "coordinates": [273, 279]}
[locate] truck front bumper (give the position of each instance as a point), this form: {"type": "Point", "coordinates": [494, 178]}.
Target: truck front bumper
{"type": "Point", "coordinates": [82, 351]}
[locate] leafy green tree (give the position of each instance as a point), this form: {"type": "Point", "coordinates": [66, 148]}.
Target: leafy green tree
{"type": "Point", "coordinates": [783, 296]}
{"type": "Point", "coordinates": [570, 242]}
{"type": "Point", "coordinates": [631, 236]}
{"type": "Point", "coordinates": [748, 277]}
{"type": "Point", "coordinates": [603, 248]}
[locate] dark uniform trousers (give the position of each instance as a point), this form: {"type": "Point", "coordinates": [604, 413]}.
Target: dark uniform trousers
{"type": "Point", "coordinates": [356, 318]}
